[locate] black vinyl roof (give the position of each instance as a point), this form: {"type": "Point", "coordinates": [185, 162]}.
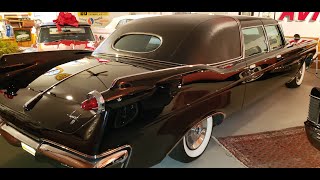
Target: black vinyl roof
{"type": "Point", "coordinates": [189, 38]}
{"type": "Point", "coordinates": [192, 20]}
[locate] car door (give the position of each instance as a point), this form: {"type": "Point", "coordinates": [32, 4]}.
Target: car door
{"type": "Point", "coordinates": [268, 70]}
{"type": "Point", "coordinates": [287, 58]}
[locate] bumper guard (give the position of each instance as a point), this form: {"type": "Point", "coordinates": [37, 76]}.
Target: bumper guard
{"type": "Point", "coordinates": [118, 157]}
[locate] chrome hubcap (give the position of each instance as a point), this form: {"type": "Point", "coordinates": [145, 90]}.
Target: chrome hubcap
{"type": "Point", "coordinates": [196, 134]}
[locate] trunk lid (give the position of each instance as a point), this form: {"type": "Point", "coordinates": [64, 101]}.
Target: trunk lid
{"type": "Point", "coordinates": [59, 108]}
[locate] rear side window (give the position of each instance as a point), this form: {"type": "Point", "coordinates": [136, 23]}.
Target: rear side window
{"type": "Point", "coordinates": [140, 43]}
{"type": "Point", "coordinates": [50, 34]}
{"type": "Point", "coordinates": [254, 41]}
{"type": "Point", "coordinates": [274, 37]}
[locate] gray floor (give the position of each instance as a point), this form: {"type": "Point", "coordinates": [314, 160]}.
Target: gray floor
{"type": "Point", "coordinates": [285, 108]}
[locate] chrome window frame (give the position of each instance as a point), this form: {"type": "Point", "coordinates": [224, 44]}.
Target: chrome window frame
{"type": "Point", "coordinates": [266, 40]}
{"type": "Point", "coordinates": [280, 33]}
{"type": "Point", "coordinates": [137, 33]}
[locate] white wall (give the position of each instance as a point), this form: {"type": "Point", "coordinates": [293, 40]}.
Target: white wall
{"type": "Point", "coordinates": [304, 28]}
{"type": "Point", "coordinates": [45, 16]}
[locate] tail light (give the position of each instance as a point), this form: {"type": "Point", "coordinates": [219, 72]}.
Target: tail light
{"type": "Point", "coordinates": [94, 101]}
{"type": "Point", "coordinates": [89, 104]}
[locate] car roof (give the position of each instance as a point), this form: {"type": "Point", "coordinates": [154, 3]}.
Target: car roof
{"type": "Point", "coordinates": [186, 37]}
{"type": "Point", "coordinates": [138, 16]}
{"type": "Point", "coordinates": [54, 24]}
{"type": "Point", "coordinates": [199, 18]}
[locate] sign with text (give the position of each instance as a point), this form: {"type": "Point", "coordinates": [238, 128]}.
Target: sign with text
{"type": "Point", "coordinates": [93, 14]}
{"type": "Point", "coordinates": [98, 19]}
{"type": "Point", "coordinates": [300, 16]}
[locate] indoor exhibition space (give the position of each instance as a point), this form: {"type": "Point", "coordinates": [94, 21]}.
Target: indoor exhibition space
{"type": "Point", "coordinates": [159, 90]}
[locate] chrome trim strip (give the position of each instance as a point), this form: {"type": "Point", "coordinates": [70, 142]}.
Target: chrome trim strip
{"type": "Point", "coordinates": [266, 39]}
{"type": "Point", "coordinates": [86, 155]}
{"type": "Point", "coordinates": [117, 56]}
{"type": "Point", "coordinates": [21, 137]}
{"type": "Point", "coordinates": [45, 142]}
{"type": "Point", "coordinates": [314, 97]}
{"type": "Point", "coordinates": [68, 159]}
{"type": "Point", "coordinates": [136, 33]}
{"type": "Point", "coordinates": [272, 24]}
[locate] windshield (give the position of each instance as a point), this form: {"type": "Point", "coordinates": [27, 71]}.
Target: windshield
{"type": "Point", "coordinates": [50, 34]}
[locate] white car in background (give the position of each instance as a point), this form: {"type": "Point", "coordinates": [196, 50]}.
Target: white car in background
{"type": "Point", "coordinates": [116, 23]}
{"type": "Point", "coordinates": [22, 37]}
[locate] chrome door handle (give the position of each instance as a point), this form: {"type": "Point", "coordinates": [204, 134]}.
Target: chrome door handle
{"type": "Point", "coordinates": [279, 57]}
{"type": "Point", "coordinates": [252, 66]}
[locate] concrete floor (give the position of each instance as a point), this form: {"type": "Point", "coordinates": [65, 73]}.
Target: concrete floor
{"type": "Point", "coordinates": [285, 108]}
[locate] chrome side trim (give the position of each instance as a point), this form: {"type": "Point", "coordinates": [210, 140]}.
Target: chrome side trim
{"type": "Point", "coordinates": [136, 33]}
{"type": "Point", "coordinates": [314, 97]}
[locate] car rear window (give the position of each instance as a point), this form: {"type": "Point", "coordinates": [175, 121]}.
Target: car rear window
{"type": "Point", "coordinates": [50, 34]}
{"type": "Point", "coordinates": [140, 43]}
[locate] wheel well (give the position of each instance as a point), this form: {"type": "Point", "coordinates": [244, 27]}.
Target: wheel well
{"type": "Point", "coordinates": [309, 59]}
{"type": "Point", "coordinates": [217, 118]}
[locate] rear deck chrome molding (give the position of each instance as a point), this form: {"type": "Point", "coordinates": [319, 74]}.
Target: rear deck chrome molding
{"type": "Point", "coordinates": [65, 155]}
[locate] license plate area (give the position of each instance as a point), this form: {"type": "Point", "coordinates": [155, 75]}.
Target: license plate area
{"type": "Point", "coordinates": [28, 149]}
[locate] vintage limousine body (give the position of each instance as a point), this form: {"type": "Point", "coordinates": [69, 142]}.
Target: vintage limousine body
{"type": "Point", "coordinates": [157, 86]}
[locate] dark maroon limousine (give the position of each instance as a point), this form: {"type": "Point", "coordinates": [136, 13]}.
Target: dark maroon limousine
{"type": "Point", "coordinates": [157, 86]}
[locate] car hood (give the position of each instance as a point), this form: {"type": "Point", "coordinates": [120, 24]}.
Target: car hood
{"type": "Point", "coordinates": [64, 87]}
{"type": "Point", "coordinates": [66, 45]}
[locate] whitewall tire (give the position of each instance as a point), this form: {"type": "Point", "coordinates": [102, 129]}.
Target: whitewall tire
{"type": "Point", "coordinates": [194, 142]}
{"type": "Point", "coordinates": [298, 79]}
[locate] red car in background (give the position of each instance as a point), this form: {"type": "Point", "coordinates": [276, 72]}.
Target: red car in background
{"type": "Point", "coordinates": [49, 38]}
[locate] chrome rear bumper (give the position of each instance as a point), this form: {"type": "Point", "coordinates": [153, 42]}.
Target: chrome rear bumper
{"type": "Point", "coordinates": [46, 149]}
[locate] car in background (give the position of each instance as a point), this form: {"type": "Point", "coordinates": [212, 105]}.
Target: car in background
{"type": "Point", "coordinates": [23, 37]}
{"type": "Point", "coordinates": [49, 38]}
{"type": "Point", "coordinates": [117, 22]}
